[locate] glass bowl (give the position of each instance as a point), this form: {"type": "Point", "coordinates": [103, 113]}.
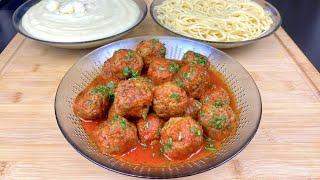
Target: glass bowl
{"type": "Point", "coordinates": [271, 10]}
{"type": "Point", "coordinates": [87, 68]}
{"type": "Point", "coordinates": [18, 14]}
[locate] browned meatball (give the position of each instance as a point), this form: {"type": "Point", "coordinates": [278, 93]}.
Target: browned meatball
{"type": "Point", "coordinates": [169, 100]}
{"type": "Point", "coordinates": [93, 102]}
{"type": "Point", "coordinates": [116, 136]}
{"type": "Point", "coordinates": [133, 97]}
{"type": "Point", "coordinates": [123, 64]}
{"type": "Point", "coordinates": [149, 128]}
{"type": "Point", "coordinates": [191, 57]}
{"type": "Point", "coordinates": [217, 120]}
{"type": "Point", "coordinates": [193, 108]}
{"type": "Point", "coordinates": [151, 48]}
{"type": "Point", "coordinates": [162, 70]}
{"type": "Point", "coordinates": [193, 79]}
{"type": "Point", "coordinates": [181, 137]}
{"type": "Point", "coordinates": [216, 95]}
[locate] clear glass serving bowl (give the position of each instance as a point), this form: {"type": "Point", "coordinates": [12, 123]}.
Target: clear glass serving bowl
{"type": "Point", "coordinates": [271, 10]}
{"type": "Point", "coordinates": [87, 68]}
{"type": "Point", "coordinates": [18, 14]}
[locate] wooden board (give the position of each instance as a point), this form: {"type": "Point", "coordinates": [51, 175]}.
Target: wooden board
{"type": "Point", "coordinates": [287, 144]}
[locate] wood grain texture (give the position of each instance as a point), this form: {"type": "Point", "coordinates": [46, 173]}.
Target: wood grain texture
{"type": "Point", "coordinates": [286, 146]}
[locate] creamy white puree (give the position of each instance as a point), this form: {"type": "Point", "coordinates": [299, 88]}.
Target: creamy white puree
{"type": "Point", "coordinates": [79, 20]}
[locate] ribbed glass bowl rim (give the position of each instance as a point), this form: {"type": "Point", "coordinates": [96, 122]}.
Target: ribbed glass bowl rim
{"type": "Point", "coordinates": [28, 4]}
{"type": "Point", "coordinates": [274, 28]}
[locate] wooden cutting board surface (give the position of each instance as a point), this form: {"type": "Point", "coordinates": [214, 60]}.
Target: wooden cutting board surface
{"type": "Point", "coordinates": [287, 144]}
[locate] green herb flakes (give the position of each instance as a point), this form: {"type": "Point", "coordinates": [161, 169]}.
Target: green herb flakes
{"type": "Point", "coordinates": [219, 104]}
{"type": "Point", "coordinates": [163, 50]}
{"type": "Point", "coordinates": [123, 123]}
{"type": "Point", "coordinates": [128, 72]}
{"type": "Point", "coordinates": [198, 132]}
{"type": "Point", "coordinates": [187, 75]}
{"type": "Point", "coordinates": [154, 41]}
{"type": "Point", "coordinates": [200, 59]}
{"type": "Point", "coordinates": [179, 82]}
{"type": "Point", "coordinates": [115, 118]}
{"type": "Point", "coordinates": [218, 121]}
{"type": "Point", "coordinates": [175, 96]}
{"type": "Point", "coordinates": [107, 90]}
{"type": "Point", "coordinates": [130, 55]}
{"type": "Point", "coordinates": [161, 69]}
{"type": "Point", "coordinates": [167, 146]}
{"type": "Point", "coordinates": [174, 67]}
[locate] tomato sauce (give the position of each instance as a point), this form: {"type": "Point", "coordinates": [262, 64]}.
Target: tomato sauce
{"type": "Point", "coordinates": [151, 155]}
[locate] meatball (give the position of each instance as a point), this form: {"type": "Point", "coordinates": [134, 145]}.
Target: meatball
{"type": "Point", "coordinates": [191, 57]}
{"type": "Point", "coordinates": [193, 108]}
{"type": "Point", "coordinates": [123, 64]}
{"type": "Point", "coordinates": [93, 102]}
{"type": "Point", "coordinates": [181, 137]}
{"type": "Point", "coordinates": [116, 136]}
{"type": "Point", "coordinates": [216, 95]}
{"type": "Point", "coordinates": [133, 97]}
{"type": "Point", "coordinates": [194, 79]}
{"type": "Point", "coordinates": [217, 120]}
{"type": "Point", "coordinates": [169, 100]}
{"type": "Point", "coordinates": [149, 128]}
{"type": "Point", "coordinates": [151, 48]}
{"type": "Point", "coordinates": [162, 70]}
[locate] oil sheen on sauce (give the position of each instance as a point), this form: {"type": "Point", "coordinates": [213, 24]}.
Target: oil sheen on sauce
{"type": "Point", "coordinates": [79, 20]}
{"type": "Point", "coordinates": [151, 156]}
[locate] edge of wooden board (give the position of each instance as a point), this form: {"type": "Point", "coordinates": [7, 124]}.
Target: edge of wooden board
{"type": "Point", "coordinates": [10, 50]}
{"type": "Point", "coordinates": [306, 67]}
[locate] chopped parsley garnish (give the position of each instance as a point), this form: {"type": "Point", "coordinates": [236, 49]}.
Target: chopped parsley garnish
{"type": "Point", "coordinates": [210, 146]}
{"type": "Point", "coordinates": [179, 82]}
{"type": "Point", "coordinates": [144, 115]}
{"type": "Point", "coordinates": [128, 72]}
{"type": "Point", "coordinates": [200, 59]}
{"type": "Point", "coordinates": [154, 41]}
{"type": "Point", "coordinates": [218, 104]}
{"type": "Point", "coordinates": [163, 50]}
{"type": "Point", "coordinates": [123, 123]}
{"type": "Point", "coordinates": [202, 113]}
{"type": "Point", "coordinates": [193, 129]}
{"type": "Point", "coordinates": [107, 90]}
{"type": "Point", "coordinates": [187, 75]}
{"type": "Point", "coordinates": [115, 118]}
{"type": "Point", "coordinates": [174, 67]}
{"type": "Point", "coordinates": [196, 131]}
{"type": "Point", "coordinates": [175, 96]}
{"type": "Point", "coordinates": [218, 121]}
{"type": "Point", "coordinates": [161, 69]}
{"type": "Point", "coordinates": [168, 145]}
{"type": "Point", "coordinates": [130, 55]}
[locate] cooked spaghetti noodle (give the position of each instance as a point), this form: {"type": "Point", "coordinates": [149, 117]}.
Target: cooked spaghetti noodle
{"type": "Point", "coordinates": [215, 20]}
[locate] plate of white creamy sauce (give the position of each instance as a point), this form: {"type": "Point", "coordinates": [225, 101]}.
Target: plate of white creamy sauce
{"type": "Point", "coordinates": [76, 21]}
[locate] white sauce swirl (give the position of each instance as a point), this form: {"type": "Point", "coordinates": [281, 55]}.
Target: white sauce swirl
{"type": "Point", "coordinates": [79, 20]}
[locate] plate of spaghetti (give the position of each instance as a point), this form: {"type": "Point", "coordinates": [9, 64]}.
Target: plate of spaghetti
{"type": "Point", "coordinates": [221, 23]}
